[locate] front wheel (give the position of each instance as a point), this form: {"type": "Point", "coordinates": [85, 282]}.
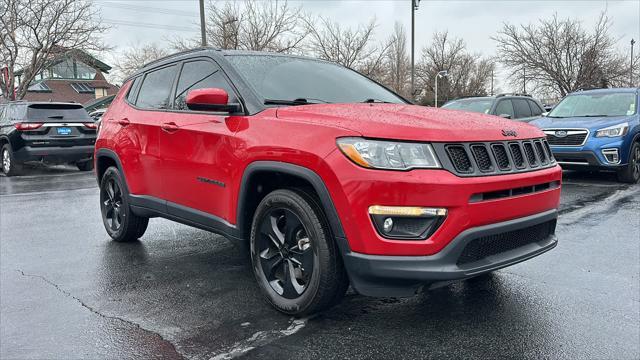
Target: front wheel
{"type": "Point", "coordinates": [118, 219]}
{"type": "Point", "coordinates": [631, 172]}
{"type": "Point", "coordinates": [295, 259]}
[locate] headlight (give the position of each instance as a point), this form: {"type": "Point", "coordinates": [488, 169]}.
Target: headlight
{"type": "Point", "coordinates": [613, 131]}
{"type": "Point", "coordinates": [388, 154]}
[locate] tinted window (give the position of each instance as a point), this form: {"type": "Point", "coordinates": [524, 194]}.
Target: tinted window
{"type": "Point", "coordinates": [535, 109]}
{"type": "Point", "coordinates": [473, 105]}
{"type": "Point", "coordinates": [56, 112]}
{"type": "Point", "coordinates": [16, 112]}
{"type": "Point", "coordinates": [290, 78]}
{"type": "Point", "coordinates": [200, 74]}
{"type": "Point", "coordinates": [596, 104]}
{"type": "Point", "coordinates": [521, 108]}
{"type": "Point", "coordinates": [505, 107]}
{"type": "Point", "coordinates": [133, 90]}
{"type": "Point", "coordinates": [155, 88]}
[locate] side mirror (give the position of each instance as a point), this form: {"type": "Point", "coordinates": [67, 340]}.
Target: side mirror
{"type": "Point", "coordinates": [210, 99]}
{"type": "Point", "coordinates": [506, 116]}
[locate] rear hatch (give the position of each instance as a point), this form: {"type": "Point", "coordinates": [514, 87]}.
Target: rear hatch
{"type": "Point", "coordinates": [57, 124]}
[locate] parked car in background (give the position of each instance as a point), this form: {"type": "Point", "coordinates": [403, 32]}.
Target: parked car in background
{"type": "Point", "coordinates": [46, 132]}
{"type": "Point", "coordinates": [597, 130]}
{"type": "Point", "coordinates": [96, 115]}
{"type": "Point", "coordinates": [510, 106]}
{"type": "Point", "coordinates": [330, 178]}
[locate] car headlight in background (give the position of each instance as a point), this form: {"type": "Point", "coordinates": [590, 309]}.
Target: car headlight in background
{"type": "Point", "coordinates": [613, 131]}
{"type": "Point", "coordinates": [392, 155]}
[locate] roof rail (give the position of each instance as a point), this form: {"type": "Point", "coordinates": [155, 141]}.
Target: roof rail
{"type": "Point", "coordinates": [178, 54]}
{"type": "Point", "coordinates": [513, 94]}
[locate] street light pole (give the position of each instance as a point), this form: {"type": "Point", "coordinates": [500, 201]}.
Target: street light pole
{"type": "Point", "coordinates": [440, 74]}
{"type": "Point", "coordinates": [414, 7]}
{"type": "Point", "coordinates": [633, 42]}
{"type": "Point", "coordinates": [203, 32]}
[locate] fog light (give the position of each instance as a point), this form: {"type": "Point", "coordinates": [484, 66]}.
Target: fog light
{"type": "Point", "coordinates": [406, 222]}
{"type": "Point", "coordinates": [611, 155]}
{"type": "Point", "coordinates": [388, 225]}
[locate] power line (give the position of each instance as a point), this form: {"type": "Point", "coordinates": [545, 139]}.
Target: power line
{"type": "Point", "coordinates": [149, 25]}
{"type": "Point", "coordinates": [146, 9]}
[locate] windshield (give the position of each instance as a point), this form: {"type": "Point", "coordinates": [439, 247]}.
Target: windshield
{"type": "Point", "coordinates": [289, 78]}
{"type": "Point", "coordinates": [607, 104]}
{"type": "Point", "coordinates": [473, 105]}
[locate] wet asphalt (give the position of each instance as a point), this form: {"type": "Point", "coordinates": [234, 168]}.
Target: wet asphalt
{"type": "Point", "coordinates": [66, 291]}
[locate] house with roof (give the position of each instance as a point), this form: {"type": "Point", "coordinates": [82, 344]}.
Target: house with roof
{"type": "Point", "coordinates": [71, 76]}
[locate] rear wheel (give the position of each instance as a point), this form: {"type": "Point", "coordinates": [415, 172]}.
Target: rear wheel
{"type": "Point", "coordinates": [86, 165]}
{"type": "Point", "coordinates": [10, 167]}
{"type": "Point", "coordinates": [295, 259]}
{"type": "Point", "coordinates": [118, 219]}
{"type": "Point", "coordinates": [631, 172]}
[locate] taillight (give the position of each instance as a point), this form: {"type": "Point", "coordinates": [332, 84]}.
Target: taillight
{"type": "Point", "coordinates": [27, 126]}
{"type": "Point", "coordinates": [91, 125]}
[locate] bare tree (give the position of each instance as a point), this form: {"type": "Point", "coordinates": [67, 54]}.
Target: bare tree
{"type": "Point", "coordinates": [468, 74]}
{"type": "Point", "coordinates": [34, 31]}
{"type": "Point", "coordinates": [349, 47]}
{"type": "Point", "coordinates": [559, 55]}
{"type": "Point", "coordinates": [135, 57]}
{"type": "Point", "coordinates": [397, 64]}
{"type": "Point", "coordinates": [251, 25]}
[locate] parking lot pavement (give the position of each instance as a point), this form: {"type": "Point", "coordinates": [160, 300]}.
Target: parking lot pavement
{"type": "Point", "coordinates": [66, 291]}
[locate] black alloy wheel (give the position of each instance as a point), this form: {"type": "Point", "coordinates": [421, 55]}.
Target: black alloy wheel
{"type": "Point", "coordinates": [118, 219]}
{"type": "Point", "coordinates": [631, 172]}
{"type": "Point", "coordinates": [294, 256]}
{"type": "Point", "coordinates": [285, 253]}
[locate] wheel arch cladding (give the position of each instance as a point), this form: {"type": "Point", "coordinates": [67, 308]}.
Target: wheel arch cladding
{"type": "Point", "coordinates": [106, 158]}
{"type": "Point", "coordinates": [261, 177]}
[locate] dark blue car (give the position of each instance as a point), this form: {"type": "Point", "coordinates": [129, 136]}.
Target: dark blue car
{"type": "Point", "coordinates": [596, 130]}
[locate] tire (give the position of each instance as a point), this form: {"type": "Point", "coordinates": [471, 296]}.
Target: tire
{"type": "Point", "coordinates": [289, 235]}
{"type": "Point", "coordinates": [118, 219]}
{"type": "Point", "coordinates": [85, 165]}
{"type": "Point", "coordinates": [10, 167]}
{"type": "Point", "coordinates": [631, 172]}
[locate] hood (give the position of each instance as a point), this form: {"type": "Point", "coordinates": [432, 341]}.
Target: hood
{"type": "Point", "coordinates": [409, 122]}
{"type": "Point", "coordinates": [591, 123]}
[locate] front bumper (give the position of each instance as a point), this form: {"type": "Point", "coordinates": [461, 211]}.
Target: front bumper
{"type": "Point", "coordinates": [522, 239]}
{"type": "Point", "coordinates": [55, 154]}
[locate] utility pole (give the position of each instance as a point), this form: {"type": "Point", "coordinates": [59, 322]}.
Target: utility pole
{"type": "Point", "coordinates": [203, 31]}
{"type": "Point", "coordinates": [414, 7]}
{"type": "Point", "coordinates": [633, 42]}
{"type": "Point", "coordinates": [524, 80]}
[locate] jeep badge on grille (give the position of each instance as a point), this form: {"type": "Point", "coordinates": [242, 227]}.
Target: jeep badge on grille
{"type": "Point", "coordinates": [506, 132]}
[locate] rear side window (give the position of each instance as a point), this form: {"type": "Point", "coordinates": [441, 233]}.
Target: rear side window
{"type": "Point", "coordinates": [200, 74]}
{"type": "Point", "coordinates": [155, 88]}
{"type": "Point", "coordinates": [56, 112]}
{"type": "Point", "coordinates": [16, 112]}
{"type": "Point", "coordinates": [133, 90]}
{"type": "Point", "coordinates": [535, 109]}
{"type": "Point", "coordinates": [505, 107]}
{"type": "Point", "coordinates": [521, 108]}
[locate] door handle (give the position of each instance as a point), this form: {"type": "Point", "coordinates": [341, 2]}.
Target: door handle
{"type": "Point", "coordinates": [124, 122]}
{"type": "Point", "coordinates": [170, 127]}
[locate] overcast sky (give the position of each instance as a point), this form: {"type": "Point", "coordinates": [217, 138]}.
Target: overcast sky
{"type": "Point", "coordinates": [134, 22]}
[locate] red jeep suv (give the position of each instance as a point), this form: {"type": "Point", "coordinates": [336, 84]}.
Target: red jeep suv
{"type": "Point", "coordinates": [331, 178]}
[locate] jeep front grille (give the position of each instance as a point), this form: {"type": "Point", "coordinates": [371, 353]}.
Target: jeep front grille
{"type": "Point", "coordinates": [494, 158]}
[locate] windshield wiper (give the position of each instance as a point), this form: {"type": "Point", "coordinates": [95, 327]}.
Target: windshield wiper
{"type": "Point", "coordinates": [298, 101]}
{"type": "Point", "coordinates": [372, 101]}
{"type": "Point", "coordinates": [593, 115]}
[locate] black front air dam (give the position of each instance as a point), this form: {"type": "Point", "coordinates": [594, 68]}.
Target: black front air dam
{"type": "Point", "coordinates": [397, 276]}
